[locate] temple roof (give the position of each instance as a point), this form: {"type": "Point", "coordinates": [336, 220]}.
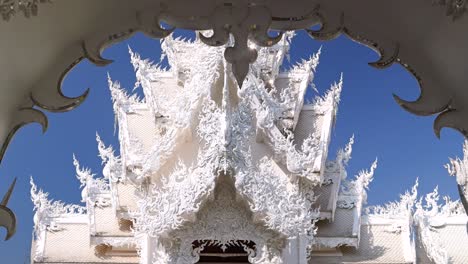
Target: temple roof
{"type": "Point", "coordinates": [197, 143]}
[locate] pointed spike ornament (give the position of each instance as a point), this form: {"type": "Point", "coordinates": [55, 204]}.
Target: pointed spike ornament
{"type": "Point", "coordinates": [402, 208]}
{"type": "Point", "coordinates": [83, 175]}
{"type": "Point", "coordinates": [459, 168]}
{"type": "Point", "coordinates": [430, 240]}
{"type": "Point", "coordinates": [365, 177]}
{"type": "Point", "coordinates": [112, 164]}
{"type": "Point", "coordinates": [344, 155]}
{"type": "Point", "coordinates": [240, 60]}
{"type": "Point", "coordinates": [6, 198]}
{"type": "Point", "coordinates": [331, 99]}
{"type": "Point", "coordinates": [7, 217]}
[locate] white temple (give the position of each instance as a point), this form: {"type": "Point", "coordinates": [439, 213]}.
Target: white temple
{"type": "Point", "coordinates": [210, 173]}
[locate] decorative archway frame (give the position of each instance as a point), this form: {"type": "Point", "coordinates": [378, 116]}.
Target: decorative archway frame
{"type": "Point", "coordinates": [417, 34]}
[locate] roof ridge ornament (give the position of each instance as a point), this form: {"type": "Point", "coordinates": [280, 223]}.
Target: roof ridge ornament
{"type": "Point", "coordinates": [430, 237]}
{"type": "Point", "coordinates": [459, 168]}
{"type": "Point", "coordinates": [395, 209]}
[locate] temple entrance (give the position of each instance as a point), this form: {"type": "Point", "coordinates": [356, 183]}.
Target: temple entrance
{"type": "Point", "coordinates": [214, 252]}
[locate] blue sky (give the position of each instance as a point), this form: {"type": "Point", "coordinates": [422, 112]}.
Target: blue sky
{"type": "Point", "coordinates": [404, 144]}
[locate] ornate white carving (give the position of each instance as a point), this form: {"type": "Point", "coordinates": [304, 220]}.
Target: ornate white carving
{"type": "Point", "coordinates": [265, 202]}
{"type": "Point", "coordinates": [46, 211]}
{"type": "Point", "coordinates": [270, 59]}
{"type": "Point", "coordinates": [284, 206]}
{"type": "Point", "coordinates": [342, 158]}
{"type": "Point", "coordinates": [224, 130]}
{"type": "Point", "coordinates": [225, 221]}
{"type": "Point", "coordinates": [344, 155]}
{"type": "Point", "coordinates": [270, 108]}
{"type": "Point", "coordinates": [179, 110]}
{"type": "Point", "coordinates": [122, 102]}
{"type": "Point", "coordinates": [185, 187]}
{"type": "Point", "coordinates": [459, 168]}
{"type": "Point", "coordinates": [428, 235]}
{"type": "Point", "coordinates": [424, 219]}
{"type": "Point", "coordinates": [92, 187]}
{"type": "Point", "coordinates": [334, 242]}
{"type": "Point", "coordinates": [404, 208]}
{"type": "Point", "coordinates": [160, 256]}
{"type": "Point", "coordinates": [452, 208]}
{"type": "Point", "coordinates": [112, 169]}
{"type": "Point", "coordinates": [250, 20]}
{"type": "Point", "coordinates": [250, 182]}
{"type": "Point", "coordinates": [353, 193]}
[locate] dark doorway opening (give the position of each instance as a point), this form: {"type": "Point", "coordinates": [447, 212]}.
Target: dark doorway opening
{"type": "Point", "coordinates": [214, 252]}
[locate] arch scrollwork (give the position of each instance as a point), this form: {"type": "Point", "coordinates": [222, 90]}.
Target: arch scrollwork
{"type": "Point", "coordinates": [430, 101]}
{"type": "Point", "coordinates": [46, 93]}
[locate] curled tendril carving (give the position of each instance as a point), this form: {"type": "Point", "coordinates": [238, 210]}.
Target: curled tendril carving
{"type": "Point", "coordinates": [24, 116]}
{"type": "Point", "coordinates": [244, 23]}
{"type": "Point", "coordinates": [333, 25]}
{"type": "Point", "coordinates": [46, 95]}
{"type": "Point", "coordinates": [146, 21]}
